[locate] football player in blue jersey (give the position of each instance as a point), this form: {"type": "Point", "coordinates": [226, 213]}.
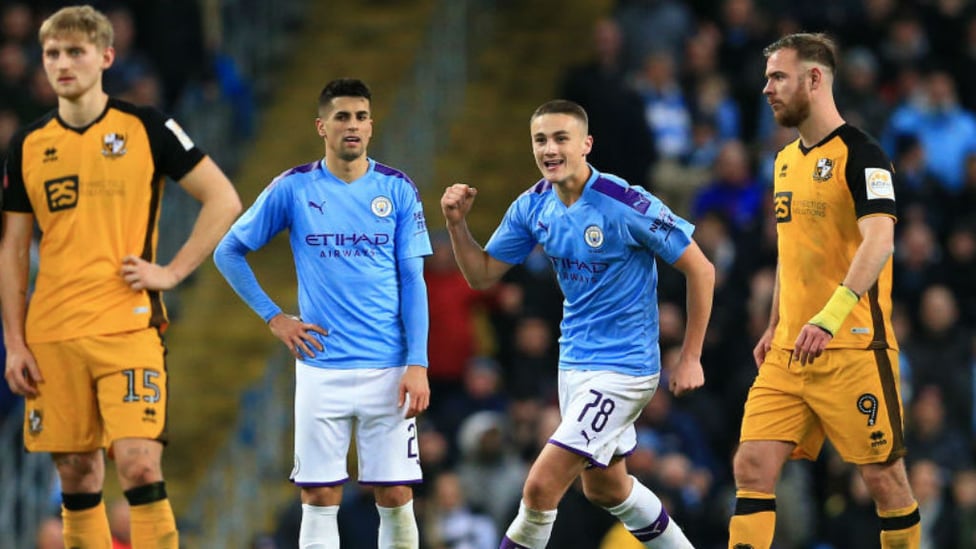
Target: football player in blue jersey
{"type": "Point", "coordinates": [602, 236]}
{"type": "Point", "coordinates": [358, 236]}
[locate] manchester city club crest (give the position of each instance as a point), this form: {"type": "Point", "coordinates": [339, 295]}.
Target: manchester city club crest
{"type": "Point", "coordinates": [593, 236]}
{"type": "Point", "coordinates": [824, 170]}
{"type": "Point", "coordinates": [113, 145]}
{"type": "Point", "coordinates": [381, 206]}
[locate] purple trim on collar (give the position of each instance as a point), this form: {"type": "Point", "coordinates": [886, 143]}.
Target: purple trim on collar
{"type": "Point", "coordinates": [393, 172]}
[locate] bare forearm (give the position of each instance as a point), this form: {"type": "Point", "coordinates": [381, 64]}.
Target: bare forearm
{"type": "Point", "coordinates": [470, 256]}
{"type": "Point", "coordinates": [14, 269]}
{"type": "Point", "coordinates": [700, 284]}
{"type": "Point", "coordinates": [870, 259]}
{"type": "Point", "coordinates": [213, 222]}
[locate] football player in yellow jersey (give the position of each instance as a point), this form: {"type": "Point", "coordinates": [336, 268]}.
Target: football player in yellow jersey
{"type": "Point", "coordinates": [828, 363]}
{"type": "Point", "coordinates": [87, 352]}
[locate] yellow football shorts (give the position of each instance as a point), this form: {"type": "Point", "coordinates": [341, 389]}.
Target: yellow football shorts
{"type": "Point", "coordinates": [97, 390]}
{"type": "Point", "coordinates": [850, 396]}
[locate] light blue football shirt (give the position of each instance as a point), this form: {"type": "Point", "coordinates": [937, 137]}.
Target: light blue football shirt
{"type": "Point", "coordinates": [602, 249]}
{"type": "Point", "coordinates": [346, 239]}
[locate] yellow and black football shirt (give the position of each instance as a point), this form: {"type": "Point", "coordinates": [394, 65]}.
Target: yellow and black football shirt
{"type": "Point", "coordinates": [820, 194]}
{"type": "Point", "coordinates": [96, 194]}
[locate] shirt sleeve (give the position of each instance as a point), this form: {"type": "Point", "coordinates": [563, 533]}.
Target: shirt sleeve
{"type": "Point", "coordinates": [659, 230]}
{"type": "Point", "coordinates": [174, 152]}
{"type": "Point", "coordinates": [870, 178]}
{"type": "Point", "coordinates": [513, 240]}
{"type": "Point", "coordinates": [413, 308]}
{"type": "Point", "coordinates": [412, 239]}
{"type": "Point", "coordinates": [230, 261]}
{"type": "Point", "coordinates": [269, 215]}
{"type": "Point", "coordinates": [14, 197]}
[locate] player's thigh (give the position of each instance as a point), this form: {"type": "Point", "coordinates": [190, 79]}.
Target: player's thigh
{"type": "Point", "coordinates": [132, 384]}
{"type": "Point", "coordinates": [64, 416]}
{"type": "Point", "coordinates": [598, 411]}
{"type": "Point", "coordinates": [325, 401]}
{"type": "Point", "coordinates": [386, 442]}
{"type": "Point", "coordinates": [775, 408]}
{"type": "Point", "coordinates": [858, 400]}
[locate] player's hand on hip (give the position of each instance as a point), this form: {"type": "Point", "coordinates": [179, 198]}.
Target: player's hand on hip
{"type": "Point", "coordinates": [140, 274]}
{"type": "Point", "coordinates": [297, 335]}
{"type": "Point", "coordinates": [21, 371]}
{"type": "Point", "coordinates": [763, 347]}
{"type": "Point", "coordinates": [414, 391]}
{"type": "Point", "coordinates": [457, 201]}
{"type": "Point", "coordinates": [685, 376]}
{"type": "Point", "coordinates": [810, 344]}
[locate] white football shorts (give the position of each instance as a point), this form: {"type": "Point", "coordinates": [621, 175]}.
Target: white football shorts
{"type": "Point", "coordinates": [598, 410]}
{"type": "Point", "coordinates": [330, 404]}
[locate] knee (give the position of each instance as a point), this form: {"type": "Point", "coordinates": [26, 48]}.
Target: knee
{"type": "Point", "coordinates": [604, 494]}
{"type": "Point", "coordinates": [888, 484]}
{"type": "Point", "coordinates": [393, 496]}
{"type": "Point", "coordinates": [536, 495]}
{"type": "Point", "coordinates": [139, 471]}
{"type": "Point", "coordinates": [753, 471]}
{"type": "Point", "coordinates": [79, 469]}
{"type": "Point", "coordinates": [322, 496]}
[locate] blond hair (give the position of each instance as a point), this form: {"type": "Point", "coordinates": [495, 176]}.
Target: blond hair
{"type": "Point", "coordinates": [78, 19]}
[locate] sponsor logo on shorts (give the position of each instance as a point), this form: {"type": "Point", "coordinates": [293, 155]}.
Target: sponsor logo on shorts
{"type": "Point", "coordinates": [35, 422]}
{"type": "Point", "coordinates": [878, 439]}
{"type": "Point", "coordinates": [149, 415]}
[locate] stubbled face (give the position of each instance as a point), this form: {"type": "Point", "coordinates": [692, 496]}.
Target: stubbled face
{"type": "Point", "coordinates": [346, 126]}
{"type": "Point", "coordinates": [787, 88]}
{"type": "Point", "coordinates": [74, 64]}
{"type": "Point", "coordinates": [560, 145]}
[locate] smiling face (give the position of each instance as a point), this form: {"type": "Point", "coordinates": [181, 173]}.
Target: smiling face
{"type": "Point", "coordinates": [346, 125]}
{"type": "Point", "coordinates": [74, 64]}
{"type": "Point", "coordinates": [560, 145]}
{"type": "Point", "coordinates": [787, 91]}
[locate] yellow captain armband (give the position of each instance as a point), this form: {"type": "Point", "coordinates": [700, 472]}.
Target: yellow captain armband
{"type": "Point", "coordinates": [836, 310]}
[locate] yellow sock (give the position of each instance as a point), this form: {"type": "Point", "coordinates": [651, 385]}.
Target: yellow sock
{"type": "Point", "coordinates": [901, 528]}
{"type": "Point", "coordinates": [153, 526]}
{"type": "Point", "coordinates": [86, 529]}
{"type": "Point", "coordinates": [753, 521]}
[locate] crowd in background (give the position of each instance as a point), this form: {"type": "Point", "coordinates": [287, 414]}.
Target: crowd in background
{"type": "Point", "coordinates": [675, 104]}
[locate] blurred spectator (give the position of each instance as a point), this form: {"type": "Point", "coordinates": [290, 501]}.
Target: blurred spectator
{"type": "Point", "coordinates": [931, 438]}
{"type": "Point", "coordinates": [946, 130]}
{"type": "Point", "coordinates": [905, 42]}
{"type": "Point", "coordinates": [934, 505]}
{"type": "Point", "coordinates": [734, 192]}
{"type": "Point", "coordinates": [453, 306]}
{"type": "Point", "coordinates": [940, 353]}
{"type": "Point", "coordinates": [130, 65]}
{"type": "Point", "coordinates": [964, 495]}
{"type": "Point", "coordinates": [666, 109]}
{"type": "Point", "coordinates": [171, 34]}
{"type": "Point", "coordinates": [916, 262]}
{"type": "Point", "coordinates": [622, 143]}
{"type": "Point", "coordinates": [452, 524]}
{"type": "Point", "coordinates": [532, 371]}
{"type": "Point", "coordinates": [850, 516]}
{"type": "Point", "coordinates": [960, 268]}
{"type": "Point", "coordinates": [481, 391]}
{"type": "Point", "coordinates": [653, 26]}
{"type": "Point", "coordinates": [857, 91]}
{"type": "Point", "coordinates": [920, 193]}
{"type": "Point", "coordinates": [491, 472]}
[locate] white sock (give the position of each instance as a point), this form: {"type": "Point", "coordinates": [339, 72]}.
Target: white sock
{"type": "Point", "coordinates": [320, 529]}
{"type": "Point", "coordinates": [531, 528]}
{"type": "Point", "coordinates": [398, 527]}
{"type": "Point", "coordinates": [643, 514]}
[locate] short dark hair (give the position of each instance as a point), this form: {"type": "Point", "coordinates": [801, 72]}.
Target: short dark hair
{"type": "Point", "coordinates": [562, 106]}
{"type": "Point", "coordinates": [343, 87]}
{"type": "Point", "coordinates": [817, 47]}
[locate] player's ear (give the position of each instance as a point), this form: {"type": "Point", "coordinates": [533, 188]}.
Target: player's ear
{"type": "Point", "coordinates": [320, 127]}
